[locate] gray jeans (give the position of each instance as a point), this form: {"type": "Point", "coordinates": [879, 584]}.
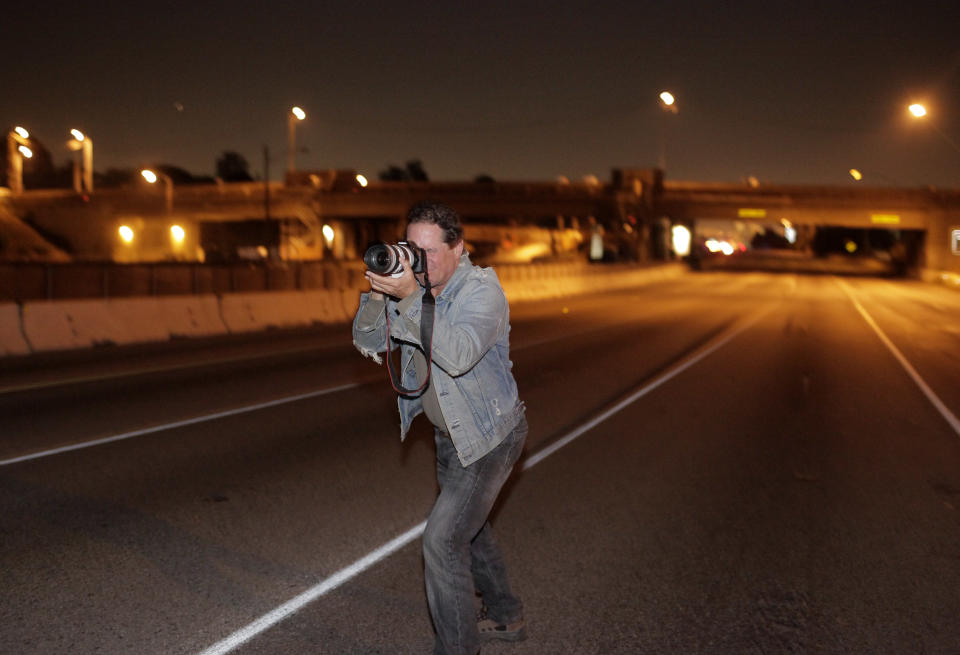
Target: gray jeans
{"type": "Point", "coordinates": [460, 552]}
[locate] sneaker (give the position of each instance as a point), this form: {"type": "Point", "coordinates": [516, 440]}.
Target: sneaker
{"type": "Point", "coordinates": [490, 630]}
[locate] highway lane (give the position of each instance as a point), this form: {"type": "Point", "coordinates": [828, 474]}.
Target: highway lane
{"type": "Point", "coordinates": [792, 490]}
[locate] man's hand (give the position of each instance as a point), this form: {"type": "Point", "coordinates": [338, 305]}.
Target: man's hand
{"type": "Point", "coordinates": [398, 287]}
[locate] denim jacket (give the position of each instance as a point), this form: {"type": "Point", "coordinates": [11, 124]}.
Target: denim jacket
{"type": "Point", "coordinates": [471, 367]}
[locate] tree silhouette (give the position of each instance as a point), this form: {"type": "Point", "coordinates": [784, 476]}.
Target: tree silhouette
{"type": "Point", "coordinates": [416, 171]}
{"type": "Point", "coordinates": [233, 167]}
{"type": "Point", "coordinates": [180, 175]}
{"type": "Point", "coordinates": [412, 172]}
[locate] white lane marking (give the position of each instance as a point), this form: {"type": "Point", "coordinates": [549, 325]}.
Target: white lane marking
{"type": "Point", "coordinates": [934, 399]}
{"type": "Point", "coordinates": [178, 424]}
{"type": "Point", "coordinates": [267, 621]}
{"type": "Point", "coordinates": [293, 605]}
{"type": "Point", "coordinates": [683, 365]}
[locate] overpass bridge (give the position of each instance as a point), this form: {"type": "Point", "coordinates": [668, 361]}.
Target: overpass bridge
{"type": "Point", "coordinates": [329, 215]}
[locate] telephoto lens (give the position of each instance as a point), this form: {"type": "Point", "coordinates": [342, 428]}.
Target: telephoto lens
{"type": "Point", "coordinates": [386, 258]}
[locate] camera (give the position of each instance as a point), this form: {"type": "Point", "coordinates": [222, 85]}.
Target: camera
{"type": "Point", "coordinates": [385, 258]}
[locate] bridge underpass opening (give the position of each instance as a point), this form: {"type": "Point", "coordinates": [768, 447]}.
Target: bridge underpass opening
{"type": "Point", "coordinates": [901, 249]}
{"type": "Point", "coordinates": [746, 244]}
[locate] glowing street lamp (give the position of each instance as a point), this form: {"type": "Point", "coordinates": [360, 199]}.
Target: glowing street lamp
{"type": "Point", "coordinates": [669, 102]}
{"type": "Point", "coordinates": [295, 116]}
{"type": "Point", "coordinates": [17, 148]}
{"type": "Point", "coordinates": [152, 176]}
{"type": "Point", "coordinates": [918, 110]}
{"type": "Point", "coordinates": [83, 164]}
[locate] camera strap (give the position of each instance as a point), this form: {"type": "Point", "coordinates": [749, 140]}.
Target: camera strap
{"type": "Point", "coordinates": [427, 307]}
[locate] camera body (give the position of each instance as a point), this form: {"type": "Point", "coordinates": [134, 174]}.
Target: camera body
{"type": "Point", "coordinates": [386, 258]}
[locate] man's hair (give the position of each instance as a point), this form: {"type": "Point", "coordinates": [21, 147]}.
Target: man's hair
{"type": "Point", "coordinates": [441, 215]}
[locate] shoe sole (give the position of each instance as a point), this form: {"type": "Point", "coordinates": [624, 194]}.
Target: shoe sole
{"type": "Point", "coordinates": [495, 635]}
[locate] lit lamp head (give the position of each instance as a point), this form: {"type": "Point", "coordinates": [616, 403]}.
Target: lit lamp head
{"type": "Point", "coordinates": [76, 143]}
{"type": "Point", "coordinates": [668, 101]}
{"type": "Point", "coordinates": [298, 113]}
{"type": "Point", "coordinates": [149, 175]}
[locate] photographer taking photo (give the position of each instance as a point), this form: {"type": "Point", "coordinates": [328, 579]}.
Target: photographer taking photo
{"type": "Point", "coordinates": [470, 397]}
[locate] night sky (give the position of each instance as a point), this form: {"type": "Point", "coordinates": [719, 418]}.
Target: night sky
{"type": "Point", "coordinates": [787, 92]}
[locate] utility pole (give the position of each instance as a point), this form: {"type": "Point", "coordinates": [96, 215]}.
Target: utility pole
{"type": "Point", "coordinates": [266, 183]}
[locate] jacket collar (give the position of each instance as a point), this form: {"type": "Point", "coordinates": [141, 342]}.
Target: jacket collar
{"type": "Point", "coordinates": [457, 279]}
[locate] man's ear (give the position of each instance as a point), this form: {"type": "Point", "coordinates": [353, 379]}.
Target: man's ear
{"type": "Point", "coordinates": [459, 247]}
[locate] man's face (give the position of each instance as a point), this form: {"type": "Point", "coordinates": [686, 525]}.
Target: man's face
{"type": "Point", "coordinates": [442, 259]}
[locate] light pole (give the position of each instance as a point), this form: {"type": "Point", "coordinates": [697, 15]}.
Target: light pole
{"type": "Point", "coordinates": [919, 111]}
{"type": "Point", "coordinates": [17, 148]}
{"type": "Point", "coordinates": [83, 163]}
{"type": "Point", "coordinates": [295, 116]}
{"type": "Point", "coordinates": [152, 177]}
{"type": "Point", "coordinates": [668, 105]}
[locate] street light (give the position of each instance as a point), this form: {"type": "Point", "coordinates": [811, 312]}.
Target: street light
{"type": "Point", "coordinates": [295, 116]}
{"type": "Point", "coordinates": [152, 176]}
{"type": "Point", "coordinates": [17, 148]}
{"type": "Point", "coordinates": [668, 103]}
{"type": "Point", "coordinates": [83, 163]}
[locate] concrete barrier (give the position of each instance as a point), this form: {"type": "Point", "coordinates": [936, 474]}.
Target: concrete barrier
{"type": "Point", "coordinates": [63, 324]}
{"type": "Point", "coordinates": [190, 316]}
{"type": "Point", "coordinates": [350, 300]}
{"type": "Point", "coordinates": [11, 332]}
{"type": "Point", "coordinates": [248, 312]}
{"type": "Point", "coordinates": [327, 306]}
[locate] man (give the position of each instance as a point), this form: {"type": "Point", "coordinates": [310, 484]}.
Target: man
{"type": "Point", "coordinates": [479, 422]}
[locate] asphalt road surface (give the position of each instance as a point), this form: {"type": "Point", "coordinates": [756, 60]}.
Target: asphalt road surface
{"type": "Point", "coordinates": [723, 463]}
